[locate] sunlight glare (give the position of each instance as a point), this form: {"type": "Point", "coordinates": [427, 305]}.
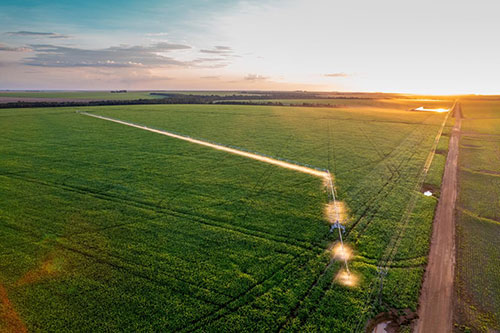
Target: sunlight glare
{"type": "Point", "coordinates": [432, 110]}
{"type": "Point", "coordinates": [346, 278]}
{"type": "Point", "coordinates": [341, 252]}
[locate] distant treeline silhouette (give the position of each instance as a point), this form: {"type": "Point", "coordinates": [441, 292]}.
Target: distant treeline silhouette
{"type": "Point", "coordinates": [173, 98]}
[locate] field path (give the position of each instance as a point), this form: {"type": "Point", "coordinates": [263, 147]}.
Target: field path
{"type": "Point", "coordinates": [324, 174]}
{"type": "Point", "coordinates": [436, 299]}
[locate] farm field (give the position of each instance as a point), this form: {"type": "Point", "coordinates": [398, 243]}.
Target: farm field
{"type": "Point", "coordinates": [78, 95]}
{"type": "Point", "coordinates": [216, 92]}
{"type": "Point", "coordinates": [106, 95]}
{"type": "Point", "coordinates": [369, 100]}
{"type": "Point", "coordinates": [478, 219]}
{"type": "Point", "coordinates": [107, 227]}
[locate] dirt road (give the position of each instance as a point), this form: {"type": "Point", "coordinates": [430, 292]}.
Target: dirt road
{"type": "Point", "coordinates": [436, 300]}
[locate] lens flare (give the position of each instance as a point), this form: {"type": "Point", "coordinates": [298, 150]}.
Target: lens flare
{"type": "Point", "coordinates": [346, 278]}
{"type": "Point", "coordinates": [431, 110]}
{"type": "Point", "coordinates": [340, 252]}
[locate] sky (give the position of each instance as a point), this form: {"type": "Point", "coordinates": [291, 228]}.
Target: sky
{"type": "Point", "coordinates": [421, 47]}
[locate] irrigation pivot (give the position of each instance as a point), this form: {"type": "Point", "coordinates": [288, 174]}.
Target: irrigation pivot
{"type": "Point", "coordinates": [337, 224]}
{"type": "Point", "coordinates": [300, 167]}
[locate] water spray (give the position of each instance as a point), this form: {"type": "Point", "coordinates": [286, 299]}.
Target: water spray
{"type": "Point", "coordinates": [337, 218]}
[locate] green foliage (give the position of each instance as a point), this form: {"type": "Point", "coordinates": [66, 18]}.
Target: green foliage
{"type": "Point", "coordinates": [477, 278]}
{"type": "Point", "coordinates": [348, 101]}
{"type": "Point", "coordinates": [107, 227]}
{"type": "Point", "coordinates": [95, 95]}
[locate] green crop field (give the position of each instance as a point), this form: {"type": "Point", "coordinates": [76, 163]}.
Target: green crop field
{"type": "Point", "coordinates": [106, 227]}
{"type": "Point", "coordinates": [342, 102]}
{"type": "Point", "coordinates": [478, 219]}
{"type": "Point", "coordinates": [107, 95]}
{"type": "Point", "coordinates": [216, 92]}
{"type": "Point", "coordinates": [80, 95]}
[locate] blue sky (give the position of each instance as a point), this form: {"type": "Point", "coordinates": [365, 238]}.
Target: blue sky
{"type": "Point", "coordinates": [438, 46]}
{"type": "Point", "coordinates": [122, 19]}
{"type": "Point", "coordinates": [101, 15]}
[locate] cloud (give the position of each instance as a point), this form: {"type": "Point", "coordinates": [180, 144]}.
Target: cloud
{"type": "Point", "coordinates": [165, 46]}
{"type": "Point", "coordinates": [254, 77]}
{"type": "Point", "coordinates": [337, 75]}
{"type": "Point", "coordinates": [222, 55]}
{"type": "Point", "coordinates": [210, 62]}
{"type": "Point", "coordinates": [37, 34]}
{"type": "Point", "coordinates": [48, 55]}
{"type": "Point", "coordinates": [29, 33]}
{"type": "Point", "coordinates": [145, 78]}
{"type": "Point", "coordinates": [7, 48]}
{"type": "Point", "coordinates": [210, 77]}
{"type": "Point", "coordinates": [221, 50]}
{"type": "Point", "coordinates": [157, 34]}
{"type": "Point", "coordinates": [212, 51]}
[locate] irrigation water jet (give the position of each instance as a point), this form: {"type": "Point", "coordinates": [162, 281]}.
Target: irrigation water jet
{"type": "Point", "coordinates": [342, 252]}
{"type": "Point", "coordinates": [347, 278]}
{"type": "Point", "coordinates": [337, 218]}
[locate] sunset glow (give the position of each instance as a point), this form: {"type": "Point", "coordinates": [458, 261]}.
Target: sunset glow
{"type": "Point", "coordinates": [249, 165]}
{"type": "Point", "coordinates": [390, 46]}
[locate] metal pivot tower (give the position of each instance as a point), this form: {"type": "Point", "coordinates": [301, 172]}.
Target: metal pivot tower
{"type": "Point", "coordinates": [337, 224]}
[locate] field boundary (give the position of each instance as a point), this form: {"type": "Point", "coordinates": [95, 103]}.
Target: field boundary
{"type": "Point", "coordinates": [436, 304]}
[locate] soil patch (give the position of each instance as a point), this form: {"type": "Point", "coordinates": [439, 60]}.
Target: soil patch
{"type": "Point", "coordinates": [391, 321]}
{"type": "Point", "coordinates": [50, 267]}
{"type": "Point", "coordinates": [436, 191]}
{"type": "Point", "coordinates": [9, 318]}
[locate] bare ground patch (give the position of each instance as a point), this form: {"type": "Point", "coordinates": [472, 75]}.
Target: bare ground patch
{"type": "Point", "coordinates": [50, 267]}
{"type": "Point", "coordinates": [9, 318]}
